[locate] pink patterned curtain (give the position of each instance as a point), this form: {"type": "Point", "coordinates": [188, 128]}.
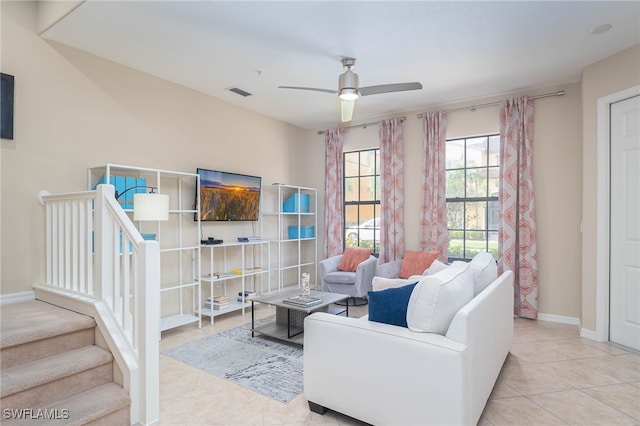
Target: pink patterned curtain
{"type": "Point", "coordinates": [517, 249]}
{"type": "Point", "coordinates": [333, 177]}
{"type": "Point", "coordinates": [434, 235]}
{"type": "Point", "coordinates": [392, 190]}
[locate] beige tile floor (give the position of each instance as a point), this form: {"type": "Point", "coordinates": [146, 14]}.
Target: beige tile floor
{"type": "Point", "coordinates": [551, 377]}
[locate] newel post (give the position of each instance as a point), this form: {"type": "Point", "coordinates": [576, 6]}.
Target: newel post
{"type": "Point", "coordinates": [148, 305]}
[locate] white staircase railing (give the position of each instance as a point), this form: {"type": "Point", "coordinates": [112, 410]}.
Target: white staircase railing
{"type": "Point", "coordinates": [97, 262]}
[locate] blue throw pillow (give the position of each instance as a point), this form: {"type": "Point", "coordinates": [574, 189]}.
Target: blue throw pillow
{"type": "Point", "coordinates": [389, 306]}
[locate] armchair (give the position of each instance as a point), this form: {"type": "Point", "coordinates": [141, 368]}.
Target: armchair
{"type": "Point", "coordinates": [355, 284]}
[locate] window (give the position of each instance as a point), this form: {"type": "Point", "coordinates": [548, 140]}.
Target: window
{"type": "Point", "coordinates": [472, 195]}
{"type": "Point", "coordinates": [362, 199]}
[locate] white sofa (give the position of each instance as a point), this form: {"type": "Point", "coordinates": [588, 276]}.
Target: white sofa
{"type": "Point", "coordinates": [389, 375]}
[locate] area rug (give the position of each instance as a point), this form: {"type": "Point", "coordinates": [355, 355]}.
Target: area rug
{"type": "Point", "coordinates": [264, 365]}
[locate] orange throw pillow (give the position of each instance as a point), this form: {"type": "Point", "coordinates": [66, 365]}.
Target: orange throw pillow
{"type": "Point", "coordinates": [415, 262]}
{"type": "Point", "coordinates": [352, 257]}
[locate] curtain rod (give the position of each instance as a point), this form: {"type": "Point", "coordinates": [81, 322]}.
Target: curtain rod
{"type": "Point", "coordinates": [363, 125]}
{"type": "Point", "coordinates": [474, 107]}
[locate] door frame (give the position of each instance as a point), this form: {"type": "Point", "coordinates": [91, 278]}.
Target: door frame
{"type": "Point", "coordinates": [603, 206]}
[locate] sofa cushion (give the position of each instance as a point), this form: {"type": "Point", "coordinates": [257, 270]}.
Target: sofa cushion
{"type": "Point", "coordinates": [352, 257]}
{"type": "Point", "coordinates": [416, 262]}
{"type": "Point", "coordinates": [382, 283]}
{"type": "Point", "coordinates": [436, 299]}
{"type": "Point", "coordinates": [485, 270]}
{"type": "Point", "coordinates": [390, 306]}
{"type": "Point", "coordinates": [340, 277]}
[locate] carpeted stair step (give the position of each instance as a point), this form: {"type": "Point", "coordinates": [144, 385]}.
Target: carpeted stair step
{"type": "Point", "coordinates": [107, 405]}
{"type": "Point", "coordinates": [34, 330]}
{"type": "Point", "coordinates": [40, 382]}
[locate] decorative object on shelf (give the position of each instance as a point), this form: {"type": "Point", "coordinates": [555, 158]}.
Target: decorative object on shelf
{"type": "Point", "coordinates": [306, 288]}
{"type": "Point", "coordinates": [151, 206]}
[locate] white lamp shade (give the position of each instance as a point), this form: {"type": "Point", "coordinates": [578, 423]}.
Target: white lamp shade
{"type": "Point", "coordinates": [150, 207]}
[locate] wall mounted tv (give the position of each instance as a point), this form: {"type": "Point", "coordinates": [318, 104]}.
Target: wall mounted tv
{"type": "Point", "coordinates": [228, 196]}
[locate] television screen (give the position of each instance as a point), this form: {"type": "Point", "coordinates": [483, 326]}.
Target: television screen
{"type": "Point", "coordinates": [228, 196]}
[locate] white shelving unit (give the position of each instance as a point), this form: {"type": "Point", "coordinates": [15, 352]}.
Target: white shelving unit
{"type": "Point", "coordinates": [179, 237]}
{"type": "Point", "coordinates": [251, 262]}
{"type": "Point", "coordinates": [290, 222]}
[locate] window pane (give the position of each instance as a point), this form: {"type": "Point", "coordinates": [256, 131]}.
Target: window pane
{"type": "Point", "coordinates": [377, 187]}
{"type": "Point", "coordinates": [455, 215]}
{"type": "Point", "coordinates": [494, 150]}
{"type": "Point", "coordinates": [476, 183]}
{"type": "Point", "coordinates": [367, 212]}
{"type": "Point", "coordinates": [367, 163]}
{"type": "Point", "coordinates": [367, 188]}
{"type": "Point", "coordinates": [351, 189]}
{"type": "Point", "coordinates": [477, 152]}
{"type": "Point", "coordinates": [351, 167]}
{"type": "Point", "coordinates": [493, 216]}
{"type": "Point", "coordinates": [475, 215]}
{"type": "Point", "coordinates": [473, 247]}
{"type": "Point", "coordinates": [351, 216]}
{"type": "Point", "coordinates": [494, 181]}
{"type": "Point", "coordinates": [455, 183]}
{"type": "Point", "coordinates": [493, 244]}
{"type": "Point", "coordinates": [456, 249]}
{"type": "Point", "coordinates": [455, 154]}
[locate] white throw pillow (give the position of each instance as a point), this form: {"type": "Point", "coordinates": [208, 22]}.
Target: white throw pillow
{"type": "Point", "coordinates": [436, 266]}
{"type": "Point", "coordinates": [485, 270]}
{"type": "Point", "coordinates": [382, 283]}
{"type": "Point", "coordinates": [436, 299]}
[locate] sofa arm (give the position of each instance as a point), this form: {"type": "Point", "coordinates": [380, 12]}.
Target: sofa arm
{"type": "Point", "coordinates": [329, 264]}
{"type": "Point", "coordinates": [383, 374]}
{"type": "Point", "coordinates": [389, 269]}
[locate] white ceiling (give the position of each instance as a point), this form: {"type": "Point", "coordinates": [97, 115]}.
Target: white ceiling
{"type": "Point", "coordinates": [457, 50]}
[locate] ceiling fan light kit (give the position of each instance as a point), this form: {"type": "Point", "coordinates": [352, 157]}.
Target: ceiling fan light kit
{"type": "Point", "coordinates": [349, 89]}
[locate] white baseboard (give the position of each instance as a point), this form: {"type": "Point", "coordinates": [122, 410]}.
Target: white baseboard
{"type": "Point", "coordinates": [25, 296]}
{"type": "Point", "coordinates": [559, 319]}
{"type": "Point", "coordinates": [589, 334]}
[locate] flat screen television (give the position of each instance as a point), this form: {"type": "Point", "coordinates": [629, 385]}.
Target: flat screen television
{"type": "Point", "coordinates": [229, 196]}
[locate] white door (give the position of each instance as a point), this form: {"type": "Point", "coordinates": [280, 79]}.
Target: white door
{"type": "Point", "coordinates": [624, 326]}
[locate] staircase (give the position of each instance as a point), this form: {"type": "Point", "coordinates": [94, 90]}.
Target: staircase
{"type": "Point", "coordinates": [52, 372]}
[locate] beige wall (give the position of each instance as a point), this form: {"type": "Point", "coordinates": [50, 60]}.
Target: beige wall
{"type": "Point", "coordinates": [557, 182]}
{"type": "Point", "coordinates": [74, 111]}
{"type": "Point", "coordinates": [618, 72]}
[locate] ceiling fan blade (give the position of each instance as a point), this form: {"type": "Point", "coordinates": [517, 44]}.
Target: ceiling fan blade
{"type": "Point", "coordinates": [346, 110]}
{"type": "Point", "coordinates": [386, 88]}
{"type": "Point", "coordinates": [309, 88]}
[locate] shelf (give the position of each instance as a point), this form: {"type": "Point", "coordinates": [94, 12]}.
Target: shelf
{"type": "Point", "coordinates": [233, 306]}
{"type": "Point", "coordinates": [166, 250]}
{"type": "Point", "coordinates": [179, 237]}
{"type": "Point", "coordinates": [176, 286]}
{"type": "Point", "coordinates": [177, 320]}
{"type": "Point", "coordinates": [208, 278]}
{"type": "Point", "coordinates": [250, 257]}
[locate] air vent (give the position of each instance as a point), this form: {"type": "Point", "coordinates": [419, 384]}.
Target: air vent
{"type": "Point", "coordinates": [239, 91]}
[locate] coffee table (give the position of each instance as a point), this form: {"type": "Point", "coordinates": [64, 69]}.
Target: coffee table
{"type": "Point", "coordinates": [289, 323]}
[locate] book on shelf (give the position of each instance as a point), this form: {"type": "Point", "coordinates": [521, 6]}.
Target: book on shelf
{"type": "Point", "coordinates": [302, 300]}
{"type": "Point", "coordinates": [249, 239]}
{"type": "Point", "coordinates": [218, 303]}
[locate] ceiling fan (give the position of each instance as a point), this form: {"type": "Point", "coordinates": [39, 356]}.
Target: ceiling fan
{"type": "Point", "coordinates": [348, 90]}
